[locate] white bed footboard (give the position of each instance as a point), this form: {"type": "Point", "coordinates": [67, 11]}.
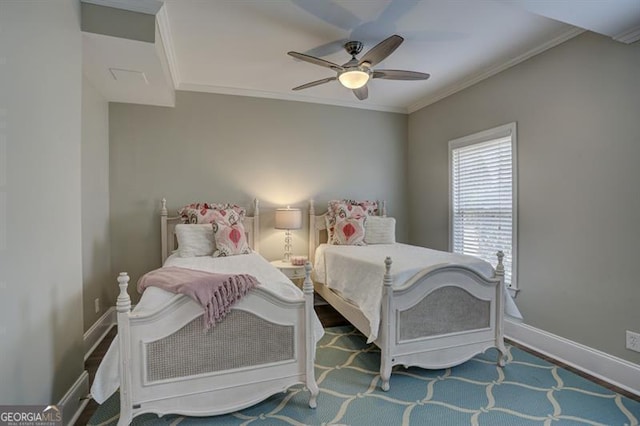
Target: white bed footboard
{"type": "Point", "coordinates": [441, 318]}
{"type": "Point", "coordinates": [169, 364]}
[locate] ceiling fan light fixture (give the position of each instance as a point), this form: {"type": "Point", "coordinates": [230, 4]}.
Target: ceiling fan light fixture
{"type": "Point", "coordinates": [354, 79]}
{"type": "Point", "coordinates": [355, 74]}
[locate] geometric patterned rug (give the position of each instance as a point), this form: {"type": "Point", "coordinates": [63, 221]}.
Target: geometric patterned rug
{"type": "Point", "coordinates": [527, 391]}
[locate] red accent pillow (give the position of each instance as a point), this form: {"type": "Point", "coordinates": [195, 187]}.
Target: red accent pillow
{"type": "Point", "coordinates": [344, 209]}
{"type": "Point", "coordinates": [349, 231]}
{"type": "Point", "coordinates": [230, 239]}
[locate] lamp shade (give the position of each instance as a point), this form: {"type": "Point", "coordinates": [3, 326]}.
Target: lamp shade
{"type": "Point", "coordinates": [288, 218]}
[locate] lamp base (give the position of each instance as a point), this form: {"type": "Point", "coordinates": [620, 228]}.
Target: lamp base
{"type": "Point", "coordinates": [287, 247]}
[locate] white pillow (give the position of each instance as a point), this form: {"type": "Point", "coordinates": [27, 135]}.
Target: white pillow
{"type": "Point", "coordinates": [195, 239]}
{"type": "Point", "coordinates": [380, 230]}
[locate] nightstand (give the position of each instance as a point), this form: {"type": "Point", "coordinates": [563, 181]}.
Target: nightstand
{"type": "Point", "coordinates": [294, 272]}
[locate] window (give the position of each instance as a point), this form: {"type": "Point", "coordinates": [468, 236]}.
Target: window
{"type": "Point", "coordinates": [482, 193]}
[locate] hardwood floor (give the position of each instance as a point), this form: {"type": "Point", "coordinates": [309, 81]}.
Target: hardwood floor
{"type": "Point", "coordinates": [329, 317]}
{"type": "Point", "coordinates": [91, 365]}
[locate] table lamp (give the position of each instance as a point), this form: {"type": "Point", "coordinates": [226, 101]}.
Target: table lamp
{"type": "Point", "coordinates": [288, 219]}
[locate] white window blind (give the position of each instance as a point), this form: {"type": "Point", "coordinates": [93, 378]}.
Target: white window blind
{"type": "Point", "coordinates": [482, 196]}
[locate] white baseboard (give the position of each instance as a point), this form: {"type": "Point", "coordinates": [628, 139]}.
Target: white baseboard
{"type": "Point", "coordinates": [98, 330]}
{"type": "Point", "coordinates": [614, 370]}
{"type": "Point", "coordinates": [74, 401]}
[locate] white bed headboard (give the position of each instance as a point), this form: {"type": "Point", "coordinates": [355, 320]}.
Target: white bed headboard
{"type": "Point", "coordinates": [318, 227]}
{"type": "Point", "coordinates": [168, 229]}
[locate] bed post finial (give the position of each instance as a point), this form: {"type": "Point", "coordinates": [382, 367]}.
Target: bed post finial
{"type": "Point", "coordinates": [307, 289]}
{"type": "Point", "coordinates": [500, 265]}
{"type": "Point", "coordinates": [499, 274]}
{"type": "Point", "coordinates": [123, 303]}
{"type": "Point", "coordinates": [312, 229]}
{"type": "Point", "coordinates": [385, 326]}
{"type": "Point", "coordinates": [164, 250]}
{"type": "Point", "coordinates": [123, 307]}
{"type": "Point", "coordinates": [163, 207]}
{"type": "Point", "coordinates": [256, 225]}
{"type": "Point", "coordinates": [387, 268]}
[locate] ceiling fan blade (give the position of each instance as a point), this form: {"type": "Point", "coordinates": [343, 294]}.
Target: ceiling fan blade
{"type": "Point", "coordinates": [315, 83]}
{"type": "Point", "coordinates": [361, 93]}
{"type": "Point", "coordinates": [400, 75]}
{"type": "Point", "coordinates": [381, 50]}
{"type": "Point", "coordinates": [316, 61]}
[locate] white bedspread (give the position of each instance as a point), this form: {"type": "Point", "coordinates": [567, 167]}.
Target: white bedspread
{"type": "Point", "coordinates": [271, 279]}
{"type": "Point", "coordinates": [356, 272]}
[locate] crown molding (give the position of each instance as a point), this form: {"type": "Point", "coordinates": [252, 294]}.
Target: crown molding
{"type": "Point", "coordinates": [628, 36]}
{"type": "Point", "coordinates": [483, 75]}
{"type": "Point", "coordinates": [167, 43]}
{"type": "Point", "coordinates": [196, 87]}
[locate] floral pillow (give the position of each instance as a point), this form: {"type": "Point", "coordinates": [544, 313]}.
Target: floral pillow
{"type": "Point", "coordinates": [209, 212]}
{"type": "Point", "coordinates": [343, 209]}
{"type": "Point", "coordinates": [230, 239]}
{"type": "Point", "coordinates": [349, 231]}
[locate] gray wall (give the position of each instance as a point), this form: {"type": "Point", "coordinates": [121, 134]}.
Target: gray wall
{"type": "Point", "coordinates": [97, 278]}
{"type": "Point", "coordinates": [230, 148]}
{"type": "Point", "coordinates": [41, 349]}
{"type": "Point", "coordinates": [578, 112]}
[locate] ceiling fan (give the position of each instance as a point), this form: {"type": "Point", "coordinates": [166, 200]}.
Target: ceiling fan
{"type": "Point", "coordinates": [355, 74]}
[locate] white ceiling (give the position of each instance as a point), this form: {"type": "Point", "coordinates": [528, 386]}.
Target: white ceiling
{"type": "Point", "coordinates": [239, 47]}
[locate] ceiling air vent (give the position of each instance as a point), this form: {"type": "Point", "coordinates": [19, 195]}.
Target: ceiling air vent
{"type": "Point", "coordinates": [128, 76]}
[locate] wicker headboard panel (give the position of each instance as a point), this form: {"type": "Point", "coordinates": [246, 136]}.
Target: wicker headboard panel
{"type": "Point", "coordinates": [318, 233]}
{"type": "Point", "coordinates": [168, 229]}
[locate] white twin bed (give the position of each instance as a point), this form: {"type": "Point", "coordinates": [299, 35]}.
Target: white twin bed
{"type": "Point", "coordinates": [164, 362]}
{"type": "Point", "coordinates": [422, 307]}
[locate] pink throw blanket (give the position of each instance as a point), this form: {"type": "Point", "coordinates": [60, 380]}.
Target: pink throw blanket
{"type": "Point", "coordinates": [216, 293]}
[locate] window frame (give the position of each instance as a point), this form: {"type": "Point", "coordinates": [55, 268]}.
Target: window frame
{"type": "Point", "coordinates": [506, 130]}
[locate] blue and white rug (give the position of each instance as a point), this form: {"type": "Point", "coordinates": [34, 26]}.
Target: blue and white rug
{"type": "Point", "coordinates": [527, 391]}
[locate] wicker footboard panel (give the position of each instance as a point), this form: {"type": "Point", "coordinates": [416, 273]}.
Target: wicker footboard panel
{"type": "Point", "coordinates": [242, 339]}
{"type": "Point", "coordinates": [446, 310]}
